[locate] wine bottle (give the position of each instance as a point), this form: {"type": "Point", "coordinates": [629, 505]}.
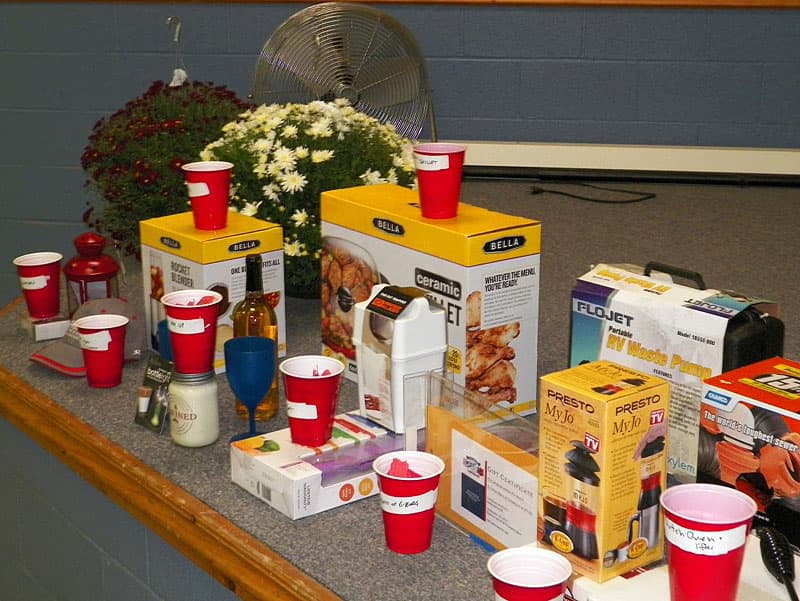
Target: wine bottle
{"type": "Point", "coordinates": [254, 316]}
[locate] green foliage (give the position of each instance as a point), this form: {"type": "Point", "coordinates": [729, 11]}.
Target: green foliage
{"type": "Point", "coordinates": [133, 158]}
{"type": "Point", "coordinates": [285, 155]}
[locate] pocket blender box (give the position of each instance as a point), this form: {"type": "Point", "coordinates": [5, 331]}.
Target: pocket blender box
{"type": "Point", "coordinates": [178, 256]}
{"type": "Point", "coordinates": [750, 437]}
{"type": "Point", "coordinates": [641, 318]}
{"type": "Point", "coordinates": [602, 467]}
{"type": "Point", "coordinates": [481, 267]}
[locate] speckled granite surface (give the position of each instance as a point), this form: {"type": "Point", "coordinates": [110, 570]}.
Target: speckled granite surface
{"type": "Point", "coordinates": [338, 548]}
{"type": "Point", "coordinates": [738, 237]}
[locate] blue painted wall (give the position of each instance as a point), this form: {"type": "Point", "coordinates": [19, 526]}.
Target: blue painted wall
{"type": "Point", "coordinates": [540, 74]}
{"type": "Point", "coordinates": [63, 540]}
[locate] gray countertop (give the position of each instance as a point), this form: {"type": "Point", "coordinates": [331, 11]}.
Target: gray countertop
{"type": "Point", "coordinates": [342, 548]}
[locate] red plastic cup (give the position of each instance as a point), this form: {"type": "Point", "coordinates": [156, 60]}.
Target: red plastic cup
{"type": "Point", "coordinates": [208, 184]}
{"type": "Point", "coordinates": [529, 574]}
{"type": "Point", "coordinates": [311, 383]}
{"type": "Point", "coordinates": [40, 279]}
{"type": "Point", "coordinates": [408, 502]}
{"type": "Point", "coordinates": [706, 527]}
{"type": "Point", "coordinates": [192, 325]}
{"type": "Point", "coordinates": [102, 340]}
{"type": "Point", "coordinates": [439, 167]}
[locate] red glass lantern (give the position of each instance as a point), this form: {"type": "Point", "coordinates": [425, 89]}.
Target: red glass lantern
{"type": "Point", "coordinates": [91, 275]}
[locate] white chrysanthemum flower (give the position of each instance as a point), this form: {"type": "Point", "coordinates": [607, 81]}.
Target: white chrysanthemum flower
{"type": "Point", "coordinates": [300, 217]}
{"type": "Point", "coordinates": [371, 177]}
{"type": "Point", "coordinates": [294, 248]}
{"type": "Point", "coordinates": [284, 158]}
{"type": "Point", "coordinates": [290, 131]}
{"type": "Point", "coordinates": [293, 182]}
{"type": "Point", "coordinates": [261, 145]}
{"type": "Point", "coordinates": [301, 152]}
{"type": "Point", "coordinates": [320, 156]}
{"type": "Point", "coordinates": [320, 129]}
{"type": "Point", "coordinates": [250, 208]}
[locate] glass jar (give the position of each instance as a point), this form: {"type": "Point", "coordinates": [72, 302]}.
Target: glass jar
{"type": "Point", "coordinates": [193, 409]}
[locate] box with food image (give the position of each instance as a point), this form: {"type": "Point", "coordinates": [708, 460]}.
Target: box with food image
{"type": "Point", "coordinates": [300, 481]}
{"type": "Point", "coordinates": [178, 256]}
{"type": "Point", "coordinates": [482, 267]}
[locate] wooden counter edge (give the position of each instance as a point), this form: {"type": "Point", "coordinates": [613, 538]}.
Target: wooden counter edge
{"type": "Point", "coordinates": [236, 559]}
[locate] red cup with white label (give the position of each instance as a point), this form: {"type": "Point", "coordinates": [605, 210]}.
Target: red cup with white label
{"type": "Point", "coordinates": [102, 340]}
{"type": "Point", "coordinates": [706, 527]}
{"type": "Point", "coordinates": [311, 384]}
{"type": "Point", "coordinates": [529, 574]}
{"type": "Point", "coordinates": [192, 326]}
{"type": "Point", "coordinates": [40, 279]}
{"type": "Point", "coordinates": [439, 168]}
{"type": "Point", "coordinates": [409, 483]}
{"type": "Point", "coordinates": [208, 184]}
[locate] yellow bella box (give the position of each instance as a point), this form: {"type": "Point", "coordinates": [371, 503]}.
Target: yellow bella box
{"type": "Point", "coordinates": [482, 267]}
{"type": "Point", "coordinates": [178, 256]}
{"type": "Point", "coordinates": [602, 467]}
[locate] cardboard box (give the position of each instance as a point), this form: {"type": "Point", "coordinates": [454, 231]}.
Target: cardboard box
{"type": "Point", "coordinates": [489, 485]}
{"type": "Point", "coordinates": [750, 437]}
{"type": "Point", "coordinates": [672, 331]}
{"type": "Point", "coordinates": [300, 481]}
{"type": "Point", "coordinates": [602, 467]}
{"type": "Point", "coordinates": [177, 256]}
{"type": "Point", "coordinates": [481, 267]}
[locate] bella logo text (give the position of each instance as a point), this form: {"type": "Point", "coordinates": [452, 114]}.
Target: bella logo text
{"type": "Point", "coordinates": [505, 244]}
{"type": "Point", "coordinates": [243, 245]}
{"type": "Point", "coordinates": [170, 242]}
{"type": "Point", "coordinates": [390, 227]}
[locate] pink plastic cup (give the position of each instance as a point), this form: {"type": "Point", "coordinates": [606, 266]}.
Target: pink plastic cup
{"type": "Point", "coordinates": [311, 383]}
{"type": "Point", "coordinates": [408, 502]}
{"type": "Point", "coordinates": [40, 279]}
{"type": "Point", "coordinates": [706, 527]}
{"type": "Point", "coordinates": [208, 184]}
{"type": "Point", "coordinates": [439, 167]}
{"type": "Point", "coordinates": [529, 574]}
{"type": "Point", "coordinates": [102, 340]}
{"type": "Point", "coordinates": [192, 325]}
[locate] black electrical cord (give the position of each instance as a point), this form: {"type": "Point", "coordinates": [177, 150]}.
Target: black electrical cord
{"type": "Point", "coordinates": [639, 196]}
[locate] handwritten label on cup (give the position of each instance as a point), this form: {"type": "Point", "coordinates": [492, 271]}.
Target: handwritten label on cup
{"type": "Point", "coordinates": [409, 505]}
{"type": "Point", "coordinates": [301, 410]}
{"type": "Point", "coordinates": [36, 282]}
{"type": "Point", "coordinates": [701, 542]}
{"type": "Point", "coordinates": [186, 326]}
{"type": "Point", "coordinates": [425, 162]}
{"type": "Point", "coordinates": [196, 189]}
{"type": "Point", "coordinates": [96, 341]}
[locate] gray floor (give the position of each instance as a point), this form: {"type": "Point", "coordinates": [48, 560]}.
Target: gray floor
{"type": "Point", "coordinates": [742, 238]}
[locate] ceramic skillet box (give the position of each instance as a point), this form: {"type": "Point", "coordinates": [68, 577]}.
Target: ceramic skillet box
{"type": "Point", "coordinates": [178, 256]}
{"type": "Point", "coordinates": [602, 467]}
{"type": "Point", "coordinates": [482, 267]}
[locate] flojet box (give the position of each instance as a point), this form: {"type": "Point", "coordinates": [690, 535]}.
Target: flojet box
{"type": "Point", "coordinates": [675, 332]}
{"type": "Point", "coordinates": [177, 256]}
{"type": "Point", "coordinates": [602, 467]}
{"type": "Point", "coordinates": [482, 267]}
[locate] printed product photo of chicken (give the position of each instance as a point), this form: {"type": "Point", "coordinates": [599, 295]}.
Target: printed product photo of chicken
{"type": "Point", "coordinates": [489, 361]}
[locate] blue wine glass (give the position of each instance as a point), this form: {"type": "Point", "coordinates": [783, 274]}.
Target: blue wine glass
{"type": "Point", "coordinates": [250, 368]}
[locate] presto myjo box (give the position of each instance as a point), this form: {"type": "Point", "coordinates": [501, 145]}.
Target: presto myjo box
{"type": "Point", "coordinates": [178, 256]}
{"type": "Point", "coordinates": [300, 481]}
{"type": "Point", "coordinates": [481, 267]}
{"type": "Point", "coordinates": [750, 437]}
{"type": "Point", "coordinates": [602, 467]}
